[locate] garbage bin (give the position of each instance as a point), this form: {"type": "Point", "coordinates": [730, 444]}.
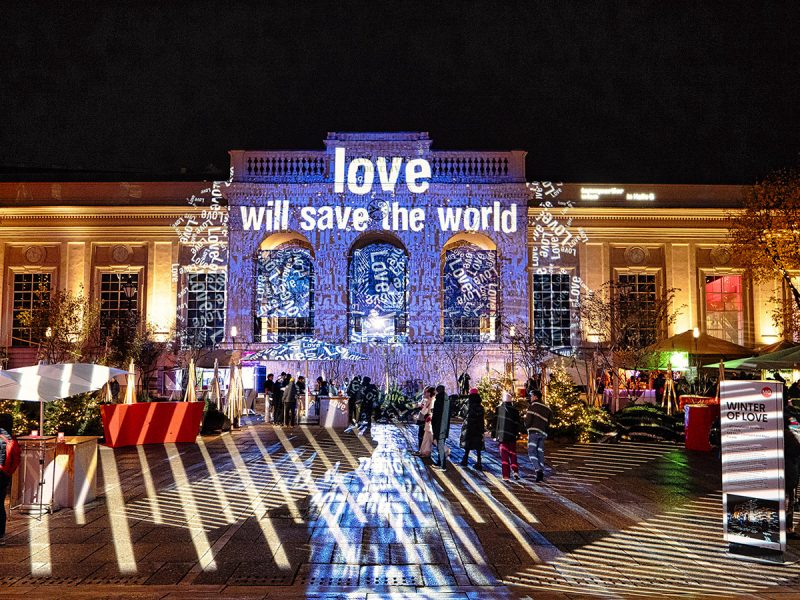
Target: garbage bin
{"type": "Point", "coordinates": [699, 418]}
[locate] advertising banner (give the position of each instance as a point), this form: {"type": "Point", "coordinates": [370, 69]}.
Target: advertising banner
{"type": "Point", "coordinates": [753, 495]}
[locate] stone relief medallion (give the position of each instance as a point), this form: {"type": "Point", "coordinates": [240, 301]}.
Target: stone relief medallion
{"type": "Point", "coordinates": [720, 256]}
{"type": "Point", "coordinates": [636, 255]}
{"type": "Point", "coordinates": [35, 254]}
{"type": "Point", "coordinates": [120, 253]}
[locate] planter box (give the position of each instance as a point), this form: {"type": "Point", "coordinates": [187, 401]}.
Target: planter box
{"type": "Point", "coordinates": [151, 423]}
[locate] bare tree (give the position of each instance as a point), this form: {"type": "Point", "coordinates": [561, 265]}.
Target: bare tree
{"type": "Point", "coordinates": [622, 326]}
{"type": "Point", "coordinates": [458, 357]}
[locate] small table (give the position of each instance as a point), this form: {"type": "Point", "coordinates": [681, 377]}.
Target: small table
{"type": "Point", "coordinates": [333, 412]}
{"type": "Point", "coordinates": [625, 398]}
{"type": "Point", "coordinates": [76, 463]}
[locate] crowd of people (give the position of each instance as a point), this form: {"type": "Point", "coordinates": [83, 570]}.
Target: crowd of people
{"type": "Point", "coordinates": [434, 428]}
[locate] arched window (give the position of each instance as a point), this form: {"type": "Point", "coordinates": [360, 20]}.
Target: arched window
{"type": "Point", "coordinates": [470, 284]}
{"type": "Point", "coordinates": [378, 282]}
{"type": "Point", "coordinates": [284, 291]}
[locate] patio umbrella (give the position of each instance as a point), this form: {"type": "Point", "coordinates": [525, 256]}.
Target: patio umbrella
{"type": "Point", "coordinates": [777, 346]}
{"type": "Point", "coordinates": [191, 392]}
{"type": "Point", "coordinates": [130, 385]}
{"type": "Point", "coordinates": [782, 358]}
{"type": "Point", "coordinates": [45, 383]}
{"type": "Point", "coordinates": [235, 401]}
{"type": "Point", "coordinates": [705, 344]}
{"type": "Point", "coordinates": [215, 393]}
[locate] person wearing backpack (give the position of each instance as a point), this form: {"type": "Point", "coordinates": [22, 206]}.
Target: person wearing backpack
{"type": "Point", "coordinates": [9, 462]}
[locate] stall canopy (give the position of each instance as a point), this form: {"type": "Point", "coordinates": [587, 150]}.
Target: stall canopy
{"type": "Point", "coordinates": [704, 345]}
{"type": "Point", "coordinates": [305, 349]}
{"type": "Point", "coordinates": [45, 383]}
{"type": "Point", "coordinates": [782, 359]}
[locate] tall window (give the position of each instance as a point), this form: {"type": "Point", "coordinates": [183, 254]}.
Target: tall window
{"type": "Point", "coordinates": [724, 307]}
{"type": "Point", "coordinates": [284, 294]}
{"type": "Point", "coordinates": [637, 308]}
{"type": "Point", "coordinates": [470, 294]}
{"type": "Point", "coordinates": [205, 308]}
{"type": "Point", "coordinates": [378, 293]}
{"type": "Point", "coordinates": [119, 300]}
{"type": "Point", "coordinates": [551, 309]}
{"type": "Point", "coordinates": [31, 291]}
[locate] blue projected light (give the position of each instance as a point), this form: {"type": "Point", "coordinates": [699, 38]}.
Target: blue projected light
{"type": "Point", "coordinates": [378, 279]}
{"type": "Point", "coordinates": [283, 283]}
{"type": "Point", "coordinates": [470, 282]}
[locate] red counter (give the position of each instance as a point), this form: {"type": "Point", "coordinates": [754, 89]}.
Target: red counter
{"type": "Point", "coordinates": [699, 419]}
{"type": "Point", "coordinates": [151, 422]}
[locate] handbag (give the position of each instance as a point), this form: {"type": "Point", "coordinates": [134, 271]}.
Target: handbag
{"type": "Point", "coordinates": [462, 442]}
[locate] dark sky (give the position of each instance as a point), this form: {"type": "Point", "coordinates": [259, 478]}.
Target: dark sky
{"type": "Point", "coordinates": [594, 91]}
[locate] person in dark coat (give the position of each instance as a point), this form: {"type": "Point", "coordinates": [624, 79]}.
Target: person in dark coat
{"type": "Point", "coordinates": [791, 464]}
{"type": "Point", "coordinates": [507, 431]}
{"type": "Point", "coordinates": [289, 399]}
{"type": "Point", "coordinates": [369, 402]}
{"type": "Point", "coordinates": [353, 399]}
{"type": "Point", "coordinates": [277, 400]}
{"type": "Point", "coordinates": [658, 385]}
{"type": "Point", "coordinates": [473, 428]}
{"type": "Point", "coordinates": [463, 384]}
{"type": "Point", "coordinates": [537, 422]}
{"type": "Point", "coordinates": [441, 425]}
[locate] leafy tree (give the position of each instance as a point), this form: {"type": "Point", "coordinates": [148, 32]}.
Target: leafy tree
{"type": "Point", "coordinates": [572, 417]}
{"type": "Point", "coordinates": [765, 235]}
{"type": "Point", "coordinates": [65, 324]}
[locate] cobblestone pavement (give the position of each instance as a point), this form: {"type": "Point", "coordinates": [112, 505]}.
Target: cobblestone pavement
{"type": "Point", "coordinates": [303, 512]}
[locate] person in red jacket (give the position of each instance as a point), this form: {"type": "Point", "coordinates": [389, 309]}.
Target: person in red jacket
{"type": "Point", "coordinates": [9, 461]}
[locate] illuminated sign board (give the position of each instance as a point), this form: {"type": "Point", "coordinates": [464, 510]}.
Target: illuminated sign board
{"type": "Point", "coordinates": [596, 193]}
{"type": "Point", "coordinates": [753, 495]}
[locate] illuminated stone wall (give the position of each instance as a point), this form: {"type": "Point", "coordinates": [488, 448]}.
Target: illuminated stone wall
{"type": "Point", "coordinates": [332, 248]}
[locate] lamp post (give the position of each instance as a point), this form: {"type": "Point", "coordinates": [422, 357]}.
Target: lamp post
{"type": "Point", "coordinates": [696, 334]}
{"type": "Point", "coordinates": [512, 333]}
{"type": "Point", "coordinates": [233, 333]}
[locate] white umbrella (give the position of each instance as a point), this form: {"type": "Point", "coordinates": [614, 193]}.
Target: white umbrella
{"type": "Point", "coordinates": [215, 393]}
{"type": "Point", "coordinates": [235, 401]}
{"type": "Point", "coordinates": [191, 392]}
{"type": "Point", "coordinates": [45, 383]}
{"type": "Point", "coordinates": [130, 385]}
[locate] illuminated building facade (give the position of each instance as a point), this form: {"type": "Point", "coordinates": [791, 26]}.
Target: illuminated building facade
{"type": "Point", "coordinates": [369, 271]}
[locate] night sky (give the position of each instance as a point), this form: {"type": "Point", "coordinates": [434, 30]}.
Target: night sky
{"type": "Point", "coordinates": [672, 92]}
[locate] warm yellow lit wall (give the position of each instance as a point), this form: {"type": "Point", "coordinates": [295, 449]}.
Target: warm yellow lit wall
{"type": "Point", "coordinates": [161, 299]}
{"type": "Point", "coordinates": [764, 326]}
{"type": "Point", "coordinates": [75, 267]}
{"type": "Point", "coordinates": [681, 274]}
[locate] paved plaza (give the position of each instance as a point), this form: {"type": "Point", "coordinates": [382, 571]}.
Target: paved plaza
{"type": "Point", "coordinates": [300, 512]}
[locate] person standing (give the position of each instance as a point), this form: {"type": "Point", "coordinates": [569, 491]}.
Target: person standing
{"type": "Point", "coordinates": [353, 399]}
{"type": "Point", "coordinates": [269, 384]}
{"type": "Point", "coordinates": [277, 400]}
{"type": "Point", "coordinates": [506, 433]}
{"type": "Point", "coordinates": [440, 424]}
{"type": "Point", "coordinates": [463, 384]}
{"type": "Point", "coordinates": [473, 428]}
{"type": "Point", "coordinates": [289, 399]}
{"type": "Point", "coordinates": [9, 461]}
{"type": "Point", "coordinates": [426, 415]}
{"type": "Point", "coordinates": [537, 422]}
{"type": "Point", "coordinates": [791, 464]}
{"type": "Point", "coordinates": [369, 402]}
